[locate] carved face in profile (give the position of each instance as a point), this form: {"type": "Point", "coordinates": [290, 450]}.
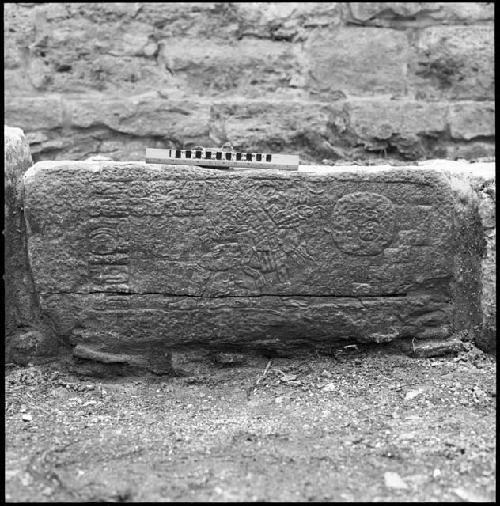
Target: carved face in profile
{"type": "Point", "coordinates": [363, 223]}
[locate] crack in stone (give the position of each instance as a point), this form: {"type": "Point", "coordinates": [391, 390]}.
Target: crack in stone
{"type": "Point", "coordinates": [288, 295]}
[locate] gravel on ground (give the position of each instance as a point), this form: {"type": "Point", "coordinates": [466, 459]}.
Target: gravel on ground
{"type": "Point", "coordinates": [360, 425]}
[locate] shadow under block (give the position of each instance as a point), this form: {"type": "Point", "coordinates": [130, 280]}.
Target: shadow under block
{"type": "Point", "coordinates": [128, 257]}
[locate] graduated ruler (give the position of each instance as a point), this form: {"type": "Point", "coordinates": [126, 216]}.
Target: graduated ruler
{"type": "Point", "coordinates": [221, 158]}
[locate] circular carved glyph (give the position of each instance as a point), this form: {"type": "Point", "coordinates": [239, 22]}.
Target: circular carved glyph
{"type": "Point", "coordinates": [103, 241]}
{"type": "Point", "coordinates": [363, 223]}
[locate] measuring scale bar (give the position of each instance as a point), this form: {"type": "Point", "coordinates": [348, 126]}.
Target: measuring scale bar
{"type": "Point", "coordinates": [222, 159]}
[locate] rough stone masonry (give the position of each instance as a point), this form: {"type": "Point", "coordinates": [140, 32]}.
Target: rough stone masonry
{"type": "Point", "coordinates": [131, 259]}
{"type": "Point", "coordinates": [330, 81]}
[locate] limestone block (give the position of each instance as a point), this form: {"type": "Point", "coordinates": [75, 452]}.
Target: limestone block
{"type": "Point", "coordinates": [69, 52]}
{"type": "Point", "coordinates": [354, 129]}
{"type": "Point", "coordinates": [65, 50]}
{"type": "Point", "coordinates": [190, 19]}
{"type": "Point", "coordinates": [285, 20]}
{"type": "Point", "coordinates": [249, 67]}
{"type": "Point", "coordinates": [18, 33]}
{"type": "Point", "coordinates": [275, 125]}
{"type": "Point", "coordinates": [358, 61]}
{"type": "Point", "coordinates": [455, 62]}
{"type": "Point", "coordinates": [472, 119]}
{"type": "Point", "coordinates": [34, 113]}
{"type": "Point", "coordinates": [363, 12]}
{"type": "Point", "coordinates": [142, 116]}
{"type": "Point", "coordinates": [128, 257]}
{"type": "Point", "coordinates": [418, 14]}
{"type": "Point", "coordinates": [472, 150]}
{"type": "Point", "coordinates": [385, 120]}
{"type": "Point", "coordinates": [350, 129]}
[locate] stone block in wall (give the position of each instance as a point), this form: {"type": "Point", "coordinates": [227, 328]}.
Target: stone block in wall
{"type": "Point", "coordinates": [348, 61]}
{"type": "Point", "coordinates": [34, 113]}
{"type": "Point", "coordinates": [346, 129]}
{"type": "Point", "coordinates": [455, 62]}
{"type": "Point", "coordinates": [472, 150]}
{"type": "Point", "coordinates": [355, 129]}
{"type": "Point", "coordinates": [190, 19]}
{"type": "Point", "coordinates": [69, 52]}
{"type": "Point", "coordinates": [417, 14]}
{"type": "Point", "coordinates": [248, 67]}
{"type": "Point", "coordinates": [470, 120]}
{"type": "Point", "coordinates": [25, 334]}
{"type": "Point", "coordinates": [275, 125]}
{"type": "Point", "coordinates": [292, 21]}
{"type": "Point", "coordinates": [136, 260]}
{"type": "Point", "coordinates": [406, 127]}
{"type": "Point", "coordinates": [77, 55]}
{"type": "Point", "coordinates": [79, 47]}
{"type": "Point", "coordinates": [66, 50]}
{"type": "Point", "coordinates": [142, 116]}
{"type": "Point", "coordinates": [19, 28]}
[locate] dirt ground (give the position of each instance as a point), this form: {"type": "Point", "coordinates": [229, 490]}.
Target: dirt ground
{"type": "Point", "coordinates": [362, 425]}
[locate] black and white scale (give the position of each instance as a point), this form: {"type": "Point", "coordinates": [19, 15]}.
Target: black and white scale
{"type": "Point", "coordinates": [221, 158]}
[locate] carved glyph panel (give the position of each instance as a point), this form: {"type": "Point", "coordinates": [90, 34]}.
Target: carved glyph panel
{"type": "Point", "coordinates": [144, 230]}
{"type": "Point", "coordinates": [363, 223]}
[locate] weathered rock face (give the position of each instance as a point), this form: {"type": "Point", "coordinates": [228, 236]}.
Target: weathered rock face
{"type": "Point", "coordinates": [129, 257]}
{"type": "Point", "coordinates": [25, 335]}
{"type": "Point", "coordinates": [473, 188]}
{"type": "Point", "coordinates": [484, 187]}
{"type": "Point", "coordinates": [489, 308]}
{"type": "Point", "coordinates": [18, 290]}
{"type": "Point", "coordinates": [328, 81]}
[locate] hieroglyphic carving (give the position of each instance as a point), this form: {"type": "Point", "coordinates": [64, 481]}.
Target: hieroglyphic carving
{"type": "Point", "coordinates": [363, 223]}
{"type": "Point", "coordinates": [107, 238]}
{"type": "Point", "coordinates": [107, 275]}
{"type": "Point", "coordinates": [103, 240]}
{"type": "Point", "coordinates": [187, 199]}
{"type": "Point", "coordinates": [259, 239]}
{"type": "Point", "coordinates": [190, 257]}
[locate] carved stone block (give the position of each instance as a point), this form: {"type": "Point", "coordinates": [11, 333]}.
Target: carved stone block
{"type": "Point", "coordinates": [127, 256]}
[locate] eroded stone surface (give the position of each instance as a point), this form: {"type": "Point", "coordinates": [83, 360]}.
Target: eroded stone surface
{"type": "Point", "coordinates": [25, 335]}
{"type": "Point", "coordinates": [487, 210]}
{"type": "Point", "coordinates": [473, 187]}
{"type": "Point", "coordinates": [128, 255]}
{"type": "Point", "coordinates": [418, 14]}
{"type": "Point", "coordinates": [19, 304]}
{"type": "Point", "coordinates": [455, 62]}
{"type": "Point", "coordinates": [338, 58]}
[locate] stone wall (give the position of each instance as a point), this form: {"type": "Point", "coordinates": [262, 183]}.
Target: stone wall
{"type": "Point", "coordinates": [329, 81]}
